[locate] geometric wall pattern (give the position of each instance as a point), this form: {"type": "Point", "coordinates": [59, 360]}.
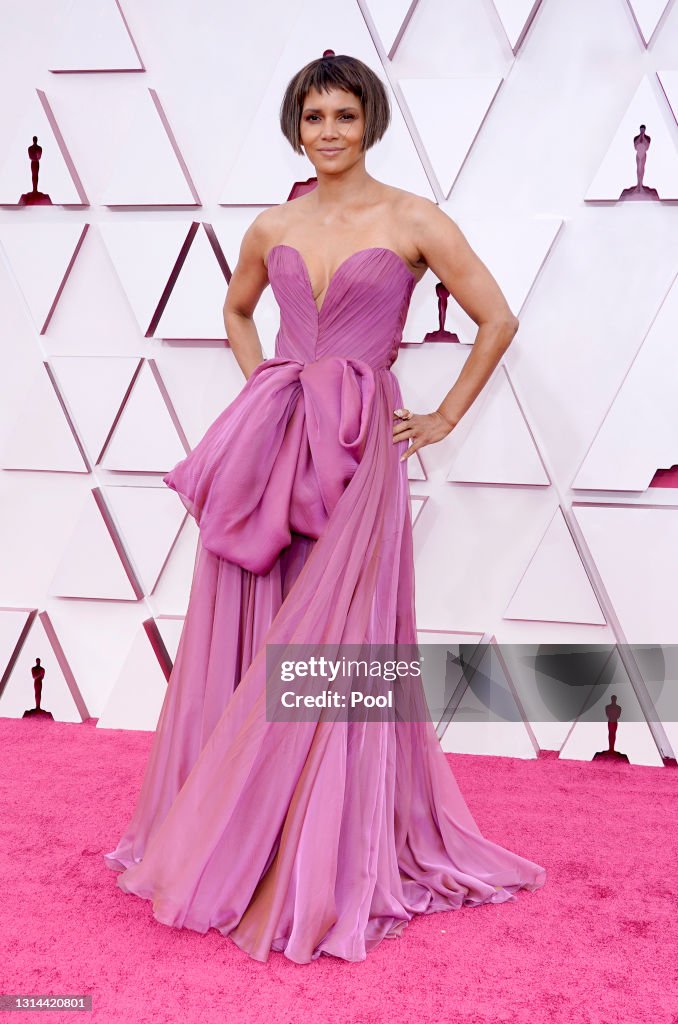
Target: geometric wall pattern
{"type": "Point", "coordinates": [550, 514]}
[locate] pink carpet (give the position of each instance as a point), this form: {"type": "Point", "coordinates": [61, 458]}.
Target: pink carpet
{"type": "Point", "coordinates": [597, 945]}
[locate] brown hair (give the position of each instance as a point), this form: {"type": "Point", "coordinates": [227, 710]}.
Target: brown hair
{"type": "Point", "coordinates": [340, 72]}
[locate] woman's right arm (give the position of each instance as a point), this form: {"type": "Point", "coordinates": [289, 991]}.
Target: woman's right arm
{"type": "Point", "coordinates": [248, 281]}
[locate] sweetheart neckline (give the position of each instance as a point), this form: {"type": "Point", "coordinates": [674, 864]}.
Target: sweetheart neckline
{"type": "Point", "coordinates": [358, 252]}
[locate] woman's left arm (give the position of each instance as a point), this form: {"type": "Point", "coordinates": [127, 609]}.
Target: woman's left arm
{"type": "Point", "coordinates": [448, 254]}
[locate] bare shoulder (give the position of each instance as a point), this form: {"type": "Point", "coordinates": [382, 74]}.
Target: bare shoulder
{"type": "Point", "coordinates": [434, 236]}
{"type": "Point", "coordinates": [425, 220]}
{"type": "Point", "coordinates": [400, 201]}
{"type": "Point", "coordinates": [416, 217]}
{"type": "Point", "coordinates": [442, 246]}
{"type": "Point", "coordinates": [250, 275]}
{"type": "Point", "coordinates": [275, 223]}
{"type": "Point", "coordinates": [257, 239]}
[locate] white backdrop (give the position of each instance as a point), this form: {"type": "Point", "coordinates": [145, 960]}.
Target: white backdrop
{"type": "Point", "coordinates": [541, 520]}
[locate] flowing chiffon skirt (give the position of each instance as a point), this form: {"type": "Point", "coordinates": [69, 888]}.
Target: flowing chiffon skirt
{"type": "Point", "coordinates": [305, 837]}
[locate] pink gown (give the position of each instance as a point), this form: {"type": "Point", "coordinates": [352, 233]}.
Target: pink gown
{"type": "Point", "coordinates": [321, 836]}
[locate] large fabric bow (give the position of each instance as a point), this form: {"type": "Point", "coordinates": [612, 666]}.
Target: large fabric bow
{"type": "Point", "coordinates": [278, 458]}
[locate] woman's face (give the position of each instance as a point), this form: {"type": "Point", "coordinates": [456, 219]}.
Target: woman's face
{"type": "Point", "coordinates": [331, 129]}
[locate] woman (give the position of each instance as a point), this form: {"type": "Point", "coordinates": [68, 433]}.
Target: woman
{"type": "Point", "coordinates": [307, 832]}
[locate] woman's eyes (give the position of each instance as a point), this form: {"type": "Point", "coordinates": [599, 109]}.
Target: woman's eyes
{"type": "Point", "coordinates": [351, 117]}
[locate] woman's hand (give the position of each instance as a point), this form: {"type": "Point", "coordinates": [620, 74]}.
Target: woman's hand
{"type": "Point", "coordinates": [425, 428]}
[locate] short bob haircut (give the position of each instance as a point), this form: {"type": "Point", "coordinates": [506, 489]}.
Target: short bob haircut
{"type": "Point", "coordinates": [340, 72]}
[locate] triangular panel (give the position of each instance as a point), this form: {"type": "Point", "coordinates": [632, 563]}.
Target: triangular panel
{"type": "Point", "coordinates": [137, 696]}
{"type": "Point", "coordinates": [40, 257]}
{"type": "Point", "coordinates": [635, 550]}
{"type": "Point", "coordinates": [149, 520]}
{"type": "Point", "coordinates": [516, 17]}
{"type": "Point", "coordinates": [60, 693]}
{"type": "Point", "coordinates": [145, 439]}
{"type": "Point", "coordinates": [41, 437]}
{"type": "Point", "coordinates": [555, 586]}
{"type": "Point", "coordinates": [639, 434]}
{"type": "Point", "coordinates": [91, 564]}
{"type": "Point", "coordinates": [147, 256]}
{"type": "Point", "coordinates": [151, 170]}
{"type": "Point", "coordinates": [390, 19]}
{"type": "Point", "coordinates": [647, 15]}
{"type": "Point", "coordinates": [58, 179]}
{"type": "Point", "coordinates": [448, 114]}
{"type": "Point", "coordinates": [195, 304]}
{"type": "Point", "coordinates": [95, 37]}
{"type": "Point", "coordinates": [80, 379]}
{"type": "Point", "coordinates": [497, 446]}
{"type": "Point", "coordinates": [617, 172]}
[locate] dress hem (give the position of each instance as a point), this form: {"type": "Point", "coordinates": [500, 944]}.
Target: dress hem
{"type": "Point", "coordinates": [502, 894]}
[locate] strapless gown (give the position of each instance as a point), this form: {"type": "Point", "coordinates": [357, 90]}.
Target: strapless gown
{"type": "Point", "coordinates": [319, 836]}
